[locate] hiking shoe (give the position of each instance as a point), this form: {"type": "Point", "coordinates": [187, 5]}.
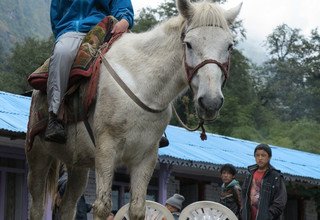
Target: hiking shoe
{"type": "Point", "coordinates": [163, 142]}
{"type": "Point", "coordinates": [55, 130]}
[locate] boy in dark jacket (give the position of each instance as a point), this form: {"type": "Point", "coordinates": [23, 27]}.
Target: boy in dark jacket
{"type": "Point", "coordinates": [264, 194]}
{"type": "Point", "coordinates": [230, 195]}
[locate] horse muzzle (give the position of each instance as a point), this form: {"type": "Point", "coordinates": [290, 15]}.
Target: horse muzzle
{"type": "Point", "coordinates": [208, 108]}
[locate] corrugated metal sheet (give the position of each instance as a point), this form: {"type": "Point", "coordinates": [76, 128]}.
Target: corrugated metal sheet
{"type": "Point", "coordinates": [185, 145]}
{"type": "Point", "coordinates": [219, 150]}
{"type": "Point", "coordinates": [14, 112]}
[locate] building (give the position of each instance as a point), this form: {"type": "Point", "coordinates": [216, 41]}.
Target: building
{"type": "Point", "coordinates": [188, 166]}
{"type": "Point", "coordinates": [14, 113]}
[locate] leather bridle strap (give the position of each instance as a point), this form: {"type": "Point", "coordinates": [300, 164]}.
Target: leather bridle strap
{"type": "Point", "coordinates": [192, 71]}
{"type": "Point", "coordinates": [127, 90]}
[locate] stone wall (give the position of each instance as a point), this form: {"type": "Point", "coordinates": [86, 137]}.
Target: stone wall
{"type": "Point", "coordinates": [310, 210]}
{"type": "Point", "coordinates": [212, 192]}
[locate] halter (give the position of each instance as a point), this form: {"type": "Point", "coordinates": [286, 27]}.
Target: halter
{"type": "Point", "coordinates": [192, 71]}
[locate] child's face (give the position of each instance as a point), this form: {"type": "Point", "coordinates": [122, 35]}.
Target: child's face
{"type": "Point", "coordinates": [226, 177]}
{"type": "Point", "coordinates": [171, 208]}
{"type": "Point", "coordinates": [262, 159]}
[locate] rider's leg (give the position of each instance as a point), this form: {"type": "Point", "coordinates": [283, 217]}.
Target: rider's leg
{"type": "Point", "coordinates": [61, 61]}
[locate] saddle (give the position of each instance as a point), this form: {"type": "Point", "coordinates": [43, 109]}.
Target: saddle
{"type": "Point", "coordinates": [83, 66]}
{"type": "Point", "coordinates": [83, 79]}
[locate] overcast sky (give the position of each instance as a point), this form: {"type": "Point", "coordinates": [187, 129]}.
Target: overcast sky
{"type": "Point", "coordinates": [260, 18]}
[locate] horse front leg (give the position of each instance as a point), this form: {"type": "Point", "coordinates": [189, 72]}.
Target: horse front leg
{"type": "Point", "coordinates": [140, 176]}
{"type": "Point", "coordinates": [104, 164]}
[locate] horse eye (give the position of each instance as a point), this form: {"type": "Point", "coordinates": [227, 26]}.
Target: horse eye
{"type": "Point", "coordinates": [188, 45]}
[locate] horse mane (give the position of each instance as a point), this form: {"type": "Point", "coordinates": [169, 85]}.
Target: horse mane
{"type": "Point", "coordinates": [208, 14]}
{"type": "Point", "coordinates": [204, 14]}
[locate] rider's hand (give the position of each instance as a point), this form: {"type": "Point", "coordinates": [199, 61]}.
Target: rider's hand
{"type": "Point", "coordinates": [120, 27]}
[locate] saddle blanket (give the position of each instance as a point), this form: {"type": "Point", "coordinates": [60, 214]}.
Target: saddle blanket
{"type": "Point", "coordinates": [83, 66]}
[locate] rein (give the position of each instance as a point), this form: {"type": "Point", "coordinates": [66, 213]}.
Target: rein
{"type": "Point", "coordinates": [203, 135]}
{"type": "Point", "coordinates": [127, 89]}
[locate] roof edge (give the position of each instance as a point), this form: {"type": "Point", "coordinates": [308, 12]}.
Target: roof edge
{"type": "Point", "coordinates": [242, 170]}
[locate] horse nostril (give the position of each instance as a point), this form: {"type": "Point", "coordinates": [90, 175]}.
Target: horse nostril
{"type": "Point", "coordinates": [215, 103]}
{"type": "Point", "coordinates": [221, 102]}
{"type": "Point", "coordinates": [200, 102]}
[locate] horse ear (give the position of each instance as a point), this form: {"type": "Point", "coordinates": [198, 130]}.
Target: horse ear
{"type": "Point", "coordinates": [232, 13]}
{"type": "Point", "coordinates": [185, 8]}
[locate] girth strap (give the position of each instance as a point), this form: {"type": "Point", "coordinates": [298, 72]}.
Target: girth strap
{"type": "Point", "coordinates": [90, 132]}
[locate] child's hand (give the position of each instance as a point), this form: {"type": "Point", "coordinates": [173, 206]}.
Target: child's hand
{"type": "Point", "coordinates": [120, 27]}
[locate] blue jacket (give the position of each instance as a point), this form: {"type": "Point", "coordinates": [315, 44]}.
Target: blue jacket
{"type": "Point", "coordinates": [82, 15]}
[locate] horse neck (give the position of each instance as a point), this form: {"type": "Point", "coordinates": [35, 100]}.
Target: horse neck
{"type": "Point", "coordinates": [155, 62]}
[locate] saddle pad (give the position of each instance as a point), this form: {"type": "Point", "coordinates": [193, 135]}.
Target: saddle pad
{"type": "Point", "coordinates": [83, 64]}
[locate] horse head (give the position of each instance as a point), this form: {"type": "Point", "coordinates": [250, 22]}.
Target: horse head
{"type": "Point", "coordinates": [208, 42]}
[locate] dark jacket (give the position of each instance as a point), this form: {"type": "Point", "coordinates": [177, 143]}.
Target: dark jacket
{"type": "Point", "coordinates": [230, 196]}
{"type": "Point", "coordinates": [175, 215]}
{"type": "Point", "coordinates": [82, 209]}
{"type": "Point", "coordinates": [273, 195]}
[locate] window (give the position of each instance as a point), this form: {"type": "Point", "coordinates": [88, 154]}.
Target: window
{"type": "Point", "coordinates": [13, 189]}
{"type": "Point", "coordinates": [13, 196]}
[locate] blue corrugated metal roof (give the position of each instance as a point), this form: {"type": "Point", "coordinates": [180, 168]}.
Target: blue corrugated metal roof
{"type": "Point", "coordinates": [185, 145]}
{"type": "Point", "coordinates": [14, 112]}
{"type": "Point", "coordinates": [218, 149]}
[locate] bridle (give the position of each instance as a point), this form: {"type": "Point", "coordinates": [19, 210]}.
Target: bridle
{"type": "Point", "coordinates": [192, 71]}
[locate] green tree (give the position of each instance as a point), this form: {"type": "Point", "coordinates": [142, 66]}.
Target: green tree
{"type": "Point", "coordinates": [285, 44]}
{"type": "Point", "coordinates": [145, 20]}
{"type": "Point", "coordinates": [25, 58]}
{"type": "Point", "coordinates": [291, 75]}
{"type": "Point", "coordinates": [312, 68]}
{"type": "Point", "coordinates": [288, 89]}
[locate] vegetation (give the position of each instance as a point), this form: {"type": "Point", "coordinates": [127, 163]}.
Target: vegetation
{"type": "Point", "coordinates": [24, 59]}
{"type": "Point", "coordinates": [21, 19]}
{"type": "Point", "coordinates": [276, 102]}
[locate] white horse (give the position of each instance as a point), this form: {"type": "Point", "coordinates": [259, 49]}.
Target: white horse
{"type": "Point", "coordinates": [190, 50]}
